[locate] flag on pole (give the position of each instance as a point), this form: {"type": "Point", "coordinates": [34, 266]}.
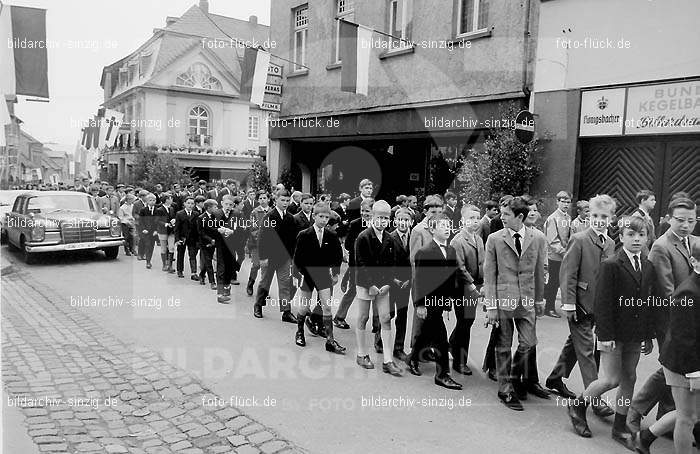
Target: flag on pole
{"type": "Point", "coordinates": [355, 48]}
{"type": "Point", "coordinates": [23, 54]}
{"type": "Point", "coordinates": [109, 128]}
{"type": "Point", "coordinates": [4, 120]}
{"type": "Point", "coordinates": [254, 74]}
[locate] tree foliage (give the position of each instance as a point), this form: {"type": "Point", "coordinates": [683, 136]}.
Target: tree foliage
{"type": "Point", "coordinates": [259, 176]}
{"type": "Point", "coordinates": [151, 168]}
{"type": "Point", "coordinates": [290, 177]}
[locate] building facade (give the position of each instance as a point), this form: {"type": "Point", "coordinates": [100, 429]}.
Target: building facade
{"type": "Point", "coordinates": [438, 92]}
{"type": "Point", "coordinates": [180, 93]}
{"type": "Point", "coordinates": [620, 96]}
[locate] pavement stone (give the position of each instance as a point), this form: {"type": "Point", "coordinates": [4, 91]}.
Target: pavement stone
{"type": "Point", "coordinates": [103, 395]}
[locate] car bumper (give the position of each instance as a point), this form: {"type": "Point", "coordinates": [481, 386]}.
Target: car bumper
{"type": "Point", "coordinates": [38, 247]}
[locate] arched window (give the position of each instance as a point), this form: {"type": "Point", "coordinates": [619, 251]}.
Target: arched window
{"type": "Point", "coordinates": [199, 132]}
{"type": "Point", "coordinates": [198, 76]}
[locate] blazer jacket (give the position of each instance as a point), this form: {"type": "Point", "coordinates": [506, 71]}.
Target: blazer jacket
{"type": "Point", "coordinates": [301, 222]}
{"type": "Point", "coordinates": [277, 237]}
{"type": "Point", "coordinates": [557, 228]}
{"type": "Point", "coordinates": [509, 279]}
{"type": "Point", "coordinates": [624, 301]}
{"type": "Point", "coordinates": [148, 221]}
{"type": "Point", "coordinates": [354, 229]}
{"type": "Point", "coordinates": [207, 229]}
{"type": "Point", "coordinates": [578, 275]}
{"type": "Point", "coordinates": [165, 215]}
{"type": "Point", "coordinates": [436, 277]}
{"type": "Point", "coordinates": [402, 261]}
{"type": "Point", "coordinates": [186, 226]}
{"type": "Point", "coordinates": [354, 208]}
{"type": "Point", "coordinates": [293, 208]}
{"type": "Point", "coordinates": [470, 258]}
{"type": "Point", "coordinates": [234, 222]}
{"type": "Point", "coordinates": [672, 264]}
{"type": "Point", "coordinates": [680, 352]}
{"type": "Point", "coordinates": [484, 228]}
{"type": "Point", "coordinates": [317, 262]}
{"type": "Point", "coordinates": [374, 261]}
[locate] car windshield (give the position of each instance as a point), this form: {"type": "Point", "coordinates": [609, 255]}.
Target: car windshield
{"type": "Point", "coordinates": [47, 204]}
{"type": "Point", "coordinates": [7, 199]}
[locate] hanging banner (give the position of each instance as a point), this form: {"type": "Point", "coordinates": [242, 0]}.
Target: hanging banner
{"type": "Point", "coordinates": [663, 108]}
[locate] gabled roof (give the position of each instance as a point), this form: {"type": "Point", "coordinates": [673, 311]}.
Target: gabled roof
{"type": "Point", "coordinates": [172, 47]}
{"type": "Point", "coordinates": [242, 29]}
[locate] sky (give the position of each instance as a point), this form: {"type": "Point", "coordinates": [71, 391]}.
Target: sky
{"type": "Point", "coordinates": [89, 35]}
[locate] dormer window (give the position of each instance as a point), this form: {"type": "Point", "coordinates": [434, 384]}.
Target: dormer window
{"type": "Point", "coordinates": [198, 76]}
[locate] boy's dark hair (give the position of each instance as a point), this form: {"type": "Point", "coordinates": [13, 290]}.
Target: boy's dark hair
{"type": "Point", "coordinates": [503, 201]}
{"type": "Point", "coordinates": [343, 197]}
{"type": "Point", "coordinates": [262, 192]}
{"type": "Point", "coordinates": [166, 195]}
{"type": "Point", "coordinates": [680, 195]}
{"type": "Point", "coordinates": [490, 204]}
{"type": "Point", "coordinates": [282, 193]}
{"type": "Point", "coordinates": [431, 201]}
{"type": "Point", "coordinates": [306, 196]}
{"type": "Point", "coordinates": [643, 195]}
{"type": "Point", "coordinates": [518, 205]}
{"type": "Point", "coordinates": [189, 198]}
{"type": "Point", "coordinates": [634, 223]}
{"type": "Point", "coordinates": [680, 203]}
{"type": "Point", "coordinates": [210, 203]}
{"type": "Point", "coordinates": [200, 198]}
{"type": "Point", "coordinates": [450, 195]}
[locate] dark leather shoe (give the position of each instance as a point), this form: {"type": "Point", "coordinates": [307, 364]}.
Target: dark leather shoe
{"type": "Point", "coordinates": [180, 275]}
{"type": "Point", "coordinates": [340, 323]}
{"type": "Point", "coordinates": [413, 368]}
{"type": "Point", "coordinates": [194, 277]}
{"type": "Point", "coordinates": [577, 414]}
{"type": "Point", "coordinates": [624, 438]}
{"type": "Point", "coordinates": [364, 362]}
{"type": "Point", "coordinates": [400, 355]}
{"type": "Point", "coordinates": [492, 375]}
{"type": "Point", "coordinates": [249, 291]}
{"type": "Point", "coordinates": [288, 317]}
{"type": "Point", "coordinates": [257, 311]}
{"type": "Point", "coordinates": [639, 445]}
{"type": "Point", "coordinates": [311, 326]}
{"type": "Point", "coordinates": [235, 282]}
{"type": "Point", "coordinates": [558, 387]}
{"type": "Point", "coordinates": [520, 390]}
{"type": "Point", "coordinates": [201, 281]}
{"type": "Point", "coordinates": [602, 410]}
{"type": "Point", "coordinates": [213, 286]}
{"type": "Point", "coordinates": [537, 390]}
{"type": "Point", "coordinates": [148, 266]}
{"type": "Point", "coordinates": [392, 369]}
{"type": "Point", "coordinates": [446, 382]}
{"type": "Point", "coordinates": [552, 314]}
{"type": "Point", "coordinates": [299, 339]}
{"type": "Point", "coordinates": [227, 291]}
{"type": "Point", "coordinates": [321, 330]}
{"type": "Point", "coordinates": [223, 299]}
{"type": "Point", "coordinates": [511, 401]}
{"type": "Point", "coordinates": [334, 347]}
{"type": "Point", "coordinates": [462, 369]}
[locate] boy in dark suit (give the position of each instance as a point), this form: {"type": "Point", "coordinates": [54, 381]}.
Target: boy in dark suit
{"type": "Point", "coordinates": [166, 233]}
{"type": "Point", "coordinates": [436, 287]}
{"type": "Point", "coordinates": [342, 210]}
{"type": "Point", "coordinates": [226, 226]}
{"type": "Point", "coordinates": [317, 259]}
{"type": "Point", "coordinates": [148, 227]}
{"type": "Point", "coordinates": [626, 294]}
{"type": "Point", "coordinates": [275, 246]}
{"type": "Point", "coordinates": [399, 293]}
{"type": "Point", "coordinates": [366, 189]}
{"type": "Point", "coordinates": [374, 274]}
{"type": "Point", "coordinates": [578, 279]}
{"type": "Point", "coordinates": [186, 238]}
{"type": "Point", "coordinates": [208, 233]}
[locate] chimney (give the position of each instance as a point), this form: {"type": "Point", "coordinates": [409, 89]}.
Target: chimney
{"type": "Point", "coordinates": [170, 20]}
{"type": "Point", "coordinates": [204, 5]}
{"type": "Point", "coordinates": [253, 20]}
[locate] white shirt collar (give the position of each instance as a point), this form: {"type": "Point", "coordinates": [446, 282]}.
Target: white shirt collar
{"type": "Point", "coordinates": [378, 233]}
{"type": "Point", "coordinates": [308, 216]}
{"type": "Point", "coordinates": [441, 245]}
{"type": "Point", "coordinates": [682, 240]}
{"type": "Point", "coordinates": [521, 231]}
{"type": "Point", "coordinates": [631, 255]}
{"type": "Point", "coordinates": [279, 211]}
{"type": "Point", "coordinates": [317, 229]}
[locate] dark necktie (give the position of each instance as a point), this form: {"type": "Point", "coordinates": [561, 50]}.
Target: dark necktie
{"type": "Point", "coordinates": [443, 248]}
{"type": "Point", "coordinates": [602, 238]}
{"type": "Point", "coordinates": [518, 246]}
{"type": "Point", "coordinates": [637, 267]}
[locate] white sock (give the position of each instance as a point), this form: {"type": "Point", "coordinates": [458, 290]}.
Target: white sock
{"type": "Point", "coordinates": [361, 338]}
{"type": "Point", "coordinates": [387, 345]}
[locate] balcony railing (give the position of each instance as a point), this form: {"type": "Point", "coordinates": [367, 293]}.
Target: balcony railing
{"type": "Point", "coordinates": [201, 140]}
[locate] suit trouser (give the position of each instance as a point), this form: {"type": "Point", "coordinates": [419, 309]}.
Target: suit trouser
{"type": "Point", "coordinates": [254, 264]}
{"type": "Point", "coordinates": [465, 311]}
{"type": "Point", "coordinates": [506, 367]}
{"type": "Point", "coordinates": [192, 250]}
{"type": "Point", "coordinates": [148, 240]}
{"type": "Point", "coordinates": [128, 232]}
{"type": "Point", "coordinates": [550, 290]}
{"type": "Point", "coordinates": [224, 267]}
{"type": "Point", "coordinates": [433, 332]}
{"type": "Point", "coordinates": [653, 391]}
{"type": "Point", "coordinates": [579, 347]}
{"type": "Point", "coordinates": [284, 283]}
{"type": "Point", "coordinates": [206, 254]}
{"type": "Point", "coordinates": [140, 243]}
{"type": "Point", "coordinates": [349, 296]}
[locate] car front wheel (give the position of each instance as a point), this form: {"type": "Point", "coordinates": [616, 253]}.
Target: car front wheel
{"type": "Point", "coordinates": [112, 252]}
{"type": "Point", "coordinates": [29, 257]}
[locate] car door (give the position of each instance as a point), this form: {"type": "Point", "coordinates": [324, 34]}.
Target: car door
{"type": "Point", "coordinates": [14, 221]}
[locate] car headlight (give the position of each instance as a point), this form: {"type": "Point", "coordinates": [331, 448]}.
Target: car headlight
{"type": "Point", "coordinates": [115, 228]}
{"type": "Point", "coordinates": [38, 232]}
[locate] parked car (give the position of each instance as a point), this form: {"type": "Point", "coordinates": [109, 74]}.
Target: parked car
{"type": "Point", "coordinates": [46, 221]}
{"type": "Point", "coordinates": [7, 200]}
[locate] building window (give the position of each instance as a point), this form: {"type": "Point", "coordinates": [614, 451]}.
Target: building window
{"type": "Point", "coordinates": [301, 31]}
{"type": "Point", "coordinates": [123, 77]}
{"type": "Point", "coordinates": [472, 16]}
{"type": "Point", "coordinates": [199, 126]}
{"type": "Point", "coordinates": [253, 127]}
{"type": "Point", "coordinates": [344, 9]}
{"type": "Point", "coordinates": [145, 63]}
{"type": "Point", "coordinates": [133, 72]}
{"type": "Point", "coordinates": [400, 22]}
{"type": "Point", "coordinates": [198, 76]}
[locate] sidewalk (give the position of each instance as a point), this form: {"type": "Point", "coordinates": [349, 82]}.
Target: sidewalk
{"type": "Point", "coordinates": [82, 390]}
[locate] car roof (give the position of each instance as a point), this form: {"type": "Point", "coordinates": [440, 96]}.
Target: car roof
{"type": "Point", "coordinates": [46, 193]}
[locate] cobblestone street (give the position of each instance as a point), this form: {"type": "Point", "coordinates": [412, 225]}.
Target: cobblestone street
{"type": "Point", "coordinates": [83, 390]}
